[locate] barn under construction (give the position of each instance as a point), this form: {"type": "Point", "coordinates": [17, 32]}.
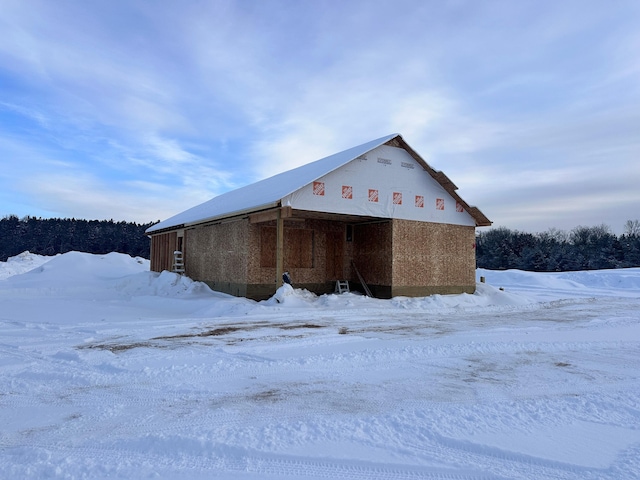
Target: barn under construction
{"type": "Point", "coordinates": [376, 215]}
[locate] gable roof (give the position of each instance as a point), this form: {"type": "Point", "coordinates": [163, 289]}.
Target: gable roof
{"type": "Point", "coordinates": [267, 193]}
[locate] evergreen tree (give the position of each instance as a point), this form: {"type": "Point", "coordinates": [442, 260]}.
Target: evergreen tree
{"type": "Point", "coordinates": [55, 235]}
{"type": "Point", "coordinates": [584, 248]}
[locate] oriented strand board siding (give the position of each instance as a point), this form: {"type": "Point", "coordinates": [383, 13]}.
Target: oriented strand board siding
{"type": "Point", "coordinates": [334, 255]}
{"type": "Point", "coordinates": [162, 248]}
{"type": "Point", "coordinates": [298, 247]}
{"type": "Point", "coordinates": [218, 253]}
{"type": "Point", "coordinates": [433, 254]}
{"type": "Point", "coordinates": [267, 247]}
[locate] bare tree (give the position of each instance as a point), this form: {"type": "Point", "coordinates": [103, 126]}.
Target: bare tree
{"type": "Point", "coordinates": [554, 234]}
{"type": "Point", "coordinates": [632, 228]}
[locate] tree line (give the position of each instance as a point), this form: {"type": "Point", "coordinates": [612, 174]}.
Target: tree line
{"type": "Point", "coordinates": [583, 248]}
{"type": "Point", "coordinates": [51, 236]}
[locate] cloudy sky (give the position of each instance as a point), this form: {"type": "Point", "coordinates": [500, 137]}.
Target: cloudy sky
{"type": "Point", "coordinates": [137, 110]}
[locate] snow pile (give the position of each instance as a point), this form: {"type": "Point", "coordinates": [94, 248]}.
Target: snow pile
{"type": "Point", "coordinates": [484, 296]}
{"type": "Point", "coordinates": [114, 271]}
{"type": "Point", "coordinates": [164, 284]}
{"type": "Point", "coordinates": [292, 297]}
{"type": "Point", "coordinates": [77, 269]}
{"type": "Point", "coordinates": [21, 263]}
{"type": "Point", "coordinates": [287, 297]}
{"type": "Point", "coordinates": [625, 281]}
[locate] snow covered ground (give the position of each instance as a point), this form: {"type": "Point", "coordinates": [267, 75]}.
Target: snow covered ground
{"type": "Point", "coordinates": [110, 371]}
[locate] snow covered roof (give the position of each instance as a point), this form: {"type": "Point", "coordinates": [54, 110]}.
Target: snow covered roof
{"type": "Point", "coordinates": [269, 192]}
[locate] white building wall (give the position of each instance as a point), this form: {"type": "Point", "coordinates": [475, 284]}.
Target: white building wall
{"type": "Point", "coordinates": [387, 182]}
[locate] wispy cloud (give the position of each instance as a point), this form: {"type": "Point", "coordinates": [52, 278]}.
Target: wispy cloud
{"type": "Point", "coordinates": [166, 105]}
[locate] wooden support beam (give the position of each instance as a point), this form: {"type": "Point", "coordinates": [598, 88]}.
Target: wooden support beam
{"type": "Point", "coordinates": [279, 247]}
{"type": "Point", "coordinates": [268, 215]}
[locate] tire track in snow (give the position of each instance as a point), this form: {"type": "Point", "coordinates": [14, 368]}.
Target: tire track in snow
{"type": "Point", "coordinates": [224, 460]}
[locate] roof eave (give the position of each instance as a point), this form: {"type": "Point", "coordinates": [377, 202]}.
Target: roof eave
{"type": "Point", "coordinates": [237, 213]}
{"type": "Point", "coordinates": [215, 218]}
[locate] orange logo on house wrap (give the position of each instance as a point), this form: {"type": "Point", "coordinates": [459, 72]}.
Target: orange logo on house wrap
{"type": "Point", "coordinates": [347, 192]}
{"type": "Point", "coordinates": [419, 201]}
{"type": "Point", "coordinates": [373, 195]}
{"type": "Point", "coordinates": [318, 188]}
{"type": "Point", "coordinates": [459, 207]}
{"type": "Point", "coordinates": [397, 198]}
{"type": "Point", "coordinates": [439, 203]}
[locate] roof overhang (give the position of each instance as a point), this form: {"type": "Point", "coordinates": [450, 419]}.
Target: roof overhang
{"type": "Point", "coordinates": [218, 218]}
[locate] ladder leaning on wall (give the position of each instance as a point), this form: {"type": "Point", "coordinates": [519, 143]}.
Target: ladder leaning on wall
{"type": "Point", "coordinates": [178, 262]}
{"type": "Point", "coordinates": [342, 286]}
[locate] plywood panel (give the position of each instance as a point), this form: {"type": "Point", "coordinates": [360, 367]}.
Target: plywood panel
{"type": "Point", "coordinates": [298, 247]}
{"type": "Point", "coordinates": [334, 256]}
{"type": "Point", "coordinates": [298, 244]}
{"type": "Point", "coordinates": [372, 252]}
{"type": "Point", "coordinates": [268, 247]}
{"type": "Point", "coordinates": [218, 253]}
{"type": "Point", "coordinates": [162, 248]}
{"type": "Point", "coordinates": [432, 254]}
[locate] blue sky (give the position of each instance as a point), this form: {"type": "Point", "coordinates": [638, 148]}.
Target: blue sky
{"type": "Point", "coordinates": [137, 110]}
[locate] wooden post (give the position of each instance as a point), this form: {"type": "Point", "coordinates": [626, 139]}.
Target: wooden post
{"type": "Point", "coordinates": [279, 248]}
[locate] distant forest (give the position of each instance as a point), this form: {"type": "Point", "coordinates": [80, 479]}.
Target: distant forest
{"type": "Point", "coordinates": [583, 248]}
{"type": "Point", "coordinates": [60, 235]}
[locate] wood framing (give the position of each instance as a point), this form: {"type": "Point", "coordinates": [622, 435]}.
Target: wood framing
{"type": "Point", "coordinates": [279, 248]}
